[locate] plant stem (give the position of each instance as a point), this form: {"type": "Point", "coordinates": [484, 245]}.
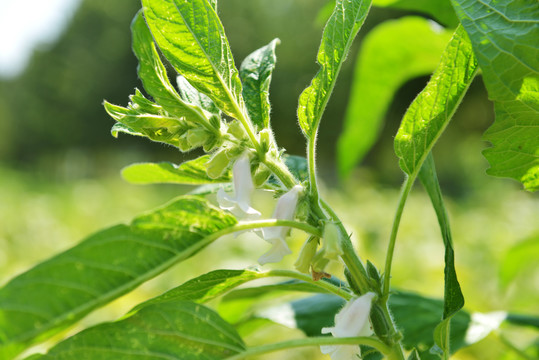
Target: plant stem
{"type": "Point", "coordinates": [250, 225]}
{"type": "Point", "coordinates": [350, 258]}
{"type": "Point", "coordinates": [313, 341]}
{"type": "Point", "coordinates": [311, 161]}
{"type": "Point", "coordinates": [281, 171]}
{"type": "Point", "coordinates": [407, 186]}
{"type": "Point", "coordinates": [321, 283]}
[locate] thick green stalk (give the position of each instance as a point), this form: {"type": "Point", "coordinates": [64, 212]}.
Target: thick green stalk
{"type": "Point", "coordinates": [313, 341]}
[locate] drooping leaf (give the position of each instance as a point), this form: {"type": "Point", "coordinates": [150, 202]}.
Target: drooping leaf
{"type": "Point", "coordinates": [505, 37]}
{"type": "Point", "coordinates": [339, 33]}
{"type": "Point", "coordinates": [255, 73]}
{"type": "Point", "coordinates": [441, 10]}
{"type": "Point", "coordinates": [172, 330]}
{"type": "Point", "coordinates": [191, 172]}
{"type": "Point", "coordinates": [192, 38]}
{"type": "Point", "coordinates": [153, 75]}
{"type": "Point", "coordinates": [453, 298]}
{"type": "Point", "coordinates": [104, 266]}
{"type": "Point", "coordinates": [431, 111]}
{"type": "Point", "coordinates": [391, 54]}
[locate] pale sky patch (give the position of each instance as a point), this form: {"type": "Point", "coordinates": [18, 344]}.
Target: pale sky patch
{"type": "Point", "coordinates": [25, 24]}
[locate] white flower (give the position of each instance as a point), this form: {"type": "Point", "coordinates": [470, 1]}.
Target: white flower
{"type": "Point", "coordinates": [240, 204]}
{"type": "Point", "coordinates": [284, 210]}
{"type": "Point", "coordinates": [351, 321]}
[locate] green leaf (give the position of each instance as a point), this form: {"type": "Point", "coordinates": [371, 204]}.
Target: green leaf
{"type": "Point", "coordinates": [191, 172]}
{"type": "Point", "coordinates": [192, 38]}
{"type": "Point", "coordinates": [194, 97]}
{"type": "Point", "coordinates": [505, 37]}
{"type": "Point", "coordinates": [101, 268]}
{"type": "Point", "coordinates": [154, 76]}
{"type": "Point", "coordinates": [518, 259]}
{"type": "Point", "coordinates": [339, 33]}
{"type": "Point", "coordinates": [441, 10]}
{"type": "Point", "coordinates": [431, 111]}
{"type": "Point", "coordinates": [453, 298]}
{"type": "Point", "coordinates": [206, 287]}
{"type": "Point", "coordinates": [391, 54]}
{"type": "Point", "coordinates": [255, 73]}
{"type": "Point", "coordinates": [417, 317]}
{"type": "Point", "coordinates": [172, 330]}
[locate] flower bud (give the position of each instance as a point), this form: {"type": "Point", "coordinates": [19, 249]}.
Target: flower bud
{"type": "Point", "coordinates": [332, 242]}
{"type": "Point", "coordinates": [262, 173]}
{"type": "Point", "coordinates": [265, 140]}
{"type": "Point", "coordinates": [306, 254]}
{"type": "Point", "coordinates": [236, 129]}
{"type": "Point", "coordinates": [217, 164]}
{"type": "Point", "coordinates": [197, 137]}
{"type": "Point", "coordinates": [183, 143]}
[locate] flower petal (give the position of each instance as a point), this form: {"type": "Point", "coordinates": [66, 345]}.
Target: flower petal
{"type": "Point", "coordinates": [278, 250]}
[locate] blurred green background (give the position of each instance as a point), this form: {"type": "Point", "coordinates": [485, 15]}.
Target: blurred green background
{"type": "Point", "coordinates": [59, 166]}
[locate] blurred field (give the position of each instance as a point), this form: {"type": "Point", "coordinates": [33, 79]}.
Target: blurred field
{"type": "Point", "coordinates": [44, 214]}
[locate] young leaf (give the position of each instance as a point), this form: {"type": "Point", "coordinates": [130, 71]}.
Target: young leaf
{"type": "Point", "coordinates": [339, 33]}
{"type": "Point", "coordinates": [441, 10]}
{"type": "Point", "coordinates": [453, 298]}
{"type": "Point", "coordinates": [153, 75]}
{"type": "Point", "coordinates": [104, 266]}
{"type": "Point", "coordinates": [255, 73]}
{"type": "Point", "coordinates": [172, 330]}
{"type": "Point", "coordinates": [431, 111]}
{"type": "Point", "coordinates": [192, 38]}
{"type": "Point", "coordinates": [194, 97]}
{"type": "Point", "coordinates": [191, 172]}
{"type": "Point", "coordinates": [141, 119]}
{"type": "Point", "coordinates": [505, 37]}
{"type": "Point", "coordinates": [391, 54]}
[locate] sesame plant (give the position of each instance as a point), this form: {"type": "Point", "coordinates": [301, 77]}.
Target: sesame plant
{"type": "Point", "coordinates": [195, 97]}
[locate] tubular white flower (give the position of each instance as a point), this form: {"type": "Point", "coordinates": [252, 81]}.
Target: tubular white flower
{"type": "Point", "coordinates": [351, 321]}
{"type": "Point", "coordinates": [284, 210]}
{"type": "Point", "coordinates": [240, 204]}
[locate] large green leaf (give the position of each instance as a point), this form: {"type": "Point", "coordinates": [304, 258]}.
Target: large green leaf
{"type": "Point", "coordinates": [441, 10]}
{"type": "Point", "coordinates": [153, 75]}
{"type": "Point", "coordinates": [391, 54]}
{"type": "Point", "coordinates": [191, 172]}
{"type": "Point", "coordinates": [177, 329]}
{"type": "Point", "coordinates": [505, 38]}
{"type": "Point", "coordinates": [255, 73]}
{"type": "Point", "coordinates": [431, 111]}
{"type": "Point", "coordinates": [61, 290]}
{"type": "Point", "coordinates": [343, 25]}
{"type": "Point", "coordinates": [192, 38]}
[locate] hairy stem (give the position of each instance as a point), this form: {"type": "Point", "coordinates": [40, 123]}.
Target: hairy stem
{"type": "Point", "coordinates": [407, 186]}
